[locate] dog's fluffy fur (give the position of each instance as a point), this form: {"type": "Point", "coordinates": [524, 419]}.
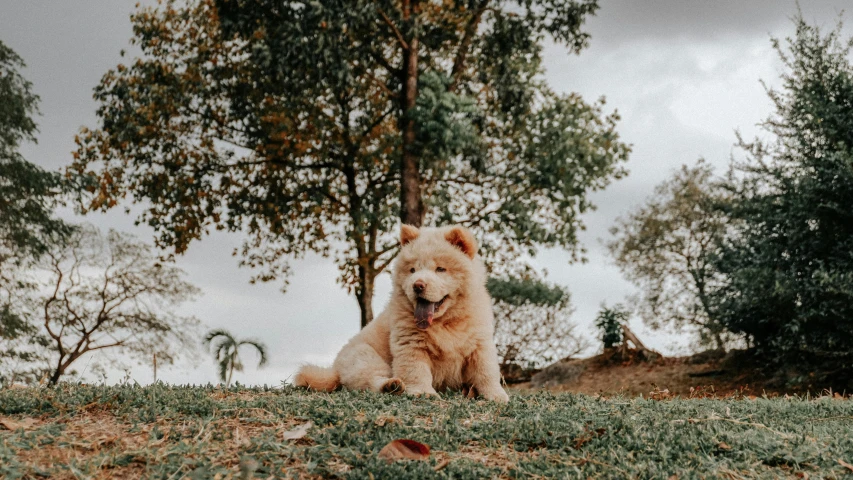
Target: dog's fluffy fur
{"type": "Point", "coordinates": [436, 332]}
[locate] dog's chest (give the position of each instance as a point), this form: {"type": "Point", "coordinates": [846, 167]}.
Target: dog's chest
{"type": "Point", "coordinates": [448, 352]}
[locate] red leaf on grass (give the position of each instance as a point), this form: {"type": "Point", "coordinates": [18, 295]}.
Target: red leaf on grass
{"type": "Point", "coordinates": [404, 449]}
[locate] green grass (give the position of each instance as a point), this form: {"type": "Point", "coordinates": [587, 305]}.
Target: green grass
{"type": "Point", "coordinates": [183, 432]}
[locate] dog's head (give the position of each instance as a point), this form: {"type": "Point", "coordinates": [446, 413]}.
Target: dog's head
{"type": "Point", "coordinates": [434, 268]}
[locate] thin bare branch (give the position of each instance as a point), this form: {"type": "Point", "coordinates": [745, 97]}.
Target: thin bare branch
{"type": "Point", "coordinates": [394, 29]}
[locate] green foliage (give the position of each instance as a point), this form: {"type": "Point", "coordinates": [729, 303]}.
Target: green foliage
{"type": "Point", "coordinates": [199, 433]}
{"type": "Point", "coordinates": [518, 291]}
{"type": "Point", "coordinates": [27, 226]}
{"type": "Point", "coordinates": [225, 349]}
{"type": "Point", "coordinates": [446, 120]}
{"type": "Point", "coordinates": [789, 263]}
{"type": "Point", "coordinates": [27, 193]}
{"type": "Point", "coordinates": [609, 322]}
{"type": "Point", "coordinates": [666, 248]}
{"type": "Point", "coordinates": [533, 324]}
{"type": "Point", "coordinates": [290, 121]}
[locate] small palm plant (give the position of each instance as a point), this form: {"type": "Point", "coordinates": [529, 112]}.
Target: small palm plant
{"type": "Point", "coordinates": [225, 349]}
{"type": "Point", "coordinates": [609, 321]}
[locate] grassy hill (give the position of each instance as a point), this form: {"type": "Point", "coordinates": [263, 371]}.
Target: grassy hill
{"type": "Point", "coordinates": [203, 432]}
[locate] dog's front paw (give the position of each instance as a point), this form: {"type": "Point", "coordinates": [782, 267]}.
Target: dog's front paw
{"type": "Point", "coordinates": [421, 391]}
{"type": "Point", "coordinates": [393, 385]}
{"type": "Point", "coordinates": [495, 394]}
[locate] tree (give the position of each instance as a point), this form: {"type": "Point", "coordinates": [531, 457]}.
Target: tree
{"type": "Point", "coordinates": [111, 293]}
{"type": "Point", "coordinates": [225, 350]}
{"type": "Point", "coordinates": [28, 195]}
{"type": "Point", "coordinates": [789, 264]}
{"type": "Point", "coordinates": [317, 126]}
{"type": "Point", "coordinates": [533, 324]}
{"type": "Point", "coordinates": [666, 248]}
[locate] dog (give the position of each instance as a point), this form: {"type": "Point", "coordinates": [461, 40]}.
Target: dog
{"type": "Point", "coordinates": [436, 332]}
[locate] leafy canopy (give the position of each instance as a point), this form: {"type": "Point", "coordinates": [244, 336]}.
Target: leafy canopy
{"type": "Point", "coordinates": [666, 247]}
{"type": "Point", "coordinates": [27, 193]}
{"type": "Point", "coordinates": [285, 120]}
{"type": "Point", "coordinates": [789, 264]}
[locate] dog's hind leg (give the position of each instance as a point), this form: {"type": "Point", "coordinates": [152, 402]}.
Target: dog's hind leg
{"type": "Point", "coordinates": [361, 368]}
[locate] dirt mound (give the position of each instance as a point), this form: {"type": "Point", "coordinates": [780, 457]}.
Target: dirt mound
{"type": "Point", "coordinates": [711, 371]}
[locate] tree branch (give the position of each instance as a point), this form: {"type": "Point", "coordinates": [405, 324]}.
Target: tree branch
{"type": "Point", "coordinates": [394, 29]}
{"type": "Point", "coordinates": [465, 44]}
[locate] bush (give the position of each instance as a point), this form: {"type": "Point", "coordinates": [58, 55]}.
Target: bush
{"type": "Point", "coordinates": [533, 324]}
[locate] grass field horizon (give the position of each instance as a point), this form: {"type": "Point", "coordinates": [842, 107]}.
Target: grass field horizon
{"type": "Point", "coordinates": [163, 431]}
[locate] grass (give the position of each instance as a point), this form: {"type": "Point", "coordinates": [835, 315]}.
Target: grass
{"type": "Point", "coordinates": [204, 432]}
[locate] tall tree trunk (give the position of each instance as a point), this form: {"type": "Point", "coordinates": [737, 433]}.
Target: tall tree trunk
{"type": "Point", "coordinates": [411, 203]}
{"type": "Point", "coordinates": [54, 377]}
{"type": "Point", "coordinates": [364, 293]}
{"type": "Point", "coordinates": [712, 326]}
{"type": "Point", "coordinates": [718, 338]}
{"type": "Point", "coordinates": [61, 366]}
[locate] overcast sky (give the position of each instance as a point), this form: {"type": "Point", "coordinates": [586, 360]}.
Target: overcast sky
{"type": "Point", "coordinates": [683, 74]}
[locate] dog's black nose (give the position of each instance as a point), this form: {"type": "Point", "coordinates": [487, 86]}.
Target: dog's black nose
{"type": "Point", "coordinates": [419, 286]}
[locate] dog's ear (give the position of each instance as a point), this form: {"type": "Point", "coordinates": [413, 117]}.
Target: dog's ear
{"type": "Point", "coordinates": [408, 233]}
{"type": "Point", "coordinates": [461, 238]}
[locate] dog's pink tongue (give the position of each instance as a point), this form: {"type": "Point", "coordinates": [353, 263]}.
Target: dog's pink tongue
{"type": "Point", "coordinates": [424, 311]}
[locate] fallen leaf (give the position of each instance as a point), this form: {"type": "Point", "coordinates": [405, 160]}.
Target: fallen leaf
{"type": "Point", "coordinates": [12, 424]}
{"type": "Point", "coordinates": [298, 432]}
{"type": "Point", "coordinates": [724, 446]}
{"type": "Point", "coordinates": [845, 464]}
{"type": "Point", "coordinates": [383, 419]}
{"type": "Point", "coordinates": [403, 449]}
{"type": "Point", "coordinates": [658, 394]}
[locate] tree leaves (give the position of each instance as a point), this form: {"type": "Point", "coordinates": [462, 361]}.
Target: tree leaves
{"type": "Point", "coordinates": [788, 264]}
{"type": "Point", "coordinates": [284, 121]}
{"type": "Point", "coordinates": [666, 248]}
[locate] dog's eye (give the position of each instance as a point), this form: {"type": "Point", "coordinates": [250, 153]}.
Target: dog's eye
{"type": "Point", "coordinates": [412, 270]}
{"type": "Point", "coordinates": [440, 269]}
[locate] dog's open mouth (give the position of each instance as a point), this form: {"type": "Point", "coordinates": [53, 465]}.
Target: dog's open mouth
{"type": "Point", "coordinates": [425, 311]}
